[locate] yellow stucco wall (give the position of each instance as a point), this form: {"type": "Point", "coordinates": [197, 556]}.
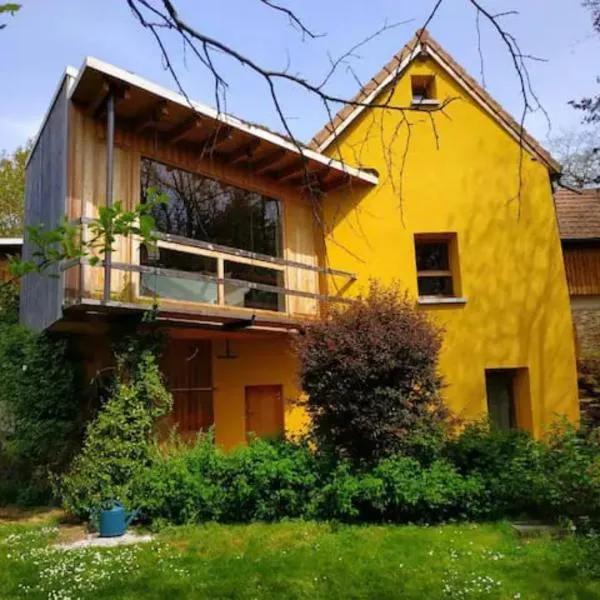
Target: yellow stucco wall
{"type": "Point", "coordinates": [265, 361]}
{"type": "Point", "coordinates": [511, 272]}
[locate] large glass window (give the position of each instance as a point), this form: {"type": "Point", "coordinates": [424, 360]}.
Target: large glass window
{"type": "Point", "coordinates": [204, 209]}
{"type": "Point", "coordinates": [201, 208]}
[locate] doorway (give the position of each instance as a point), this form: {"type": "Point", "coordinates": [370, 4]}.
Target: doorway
{"type": "Point", "coordinates": [264, 411]}
{"type": "Point", "coordinates": [500, 390]}
{"type": "Point", "coordinates": [187, 368]}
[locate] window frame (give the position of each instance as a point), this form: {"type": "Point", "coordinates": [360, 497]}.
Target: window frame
{"type": "Point", "coordinates": [428, 83]}
{"type": "Point", "coordinates": [245, 186]}
{"type": "Point", "coordinates": [252, 258]}
{"type": "Point", "coordinates": [452, 273]}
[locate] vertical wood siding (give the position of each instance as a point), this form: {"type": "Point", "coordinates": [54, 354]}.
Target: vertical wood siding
{"type": "Point", "coordinates": [582, 266]}
{"type": "Point", "coordinates": [45, 195]}
{"type": "Point", "coordinates": [86, 193]}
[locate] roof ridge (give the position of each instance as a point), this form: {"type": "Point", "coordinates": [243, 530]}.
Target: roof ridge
{"type": "Point", "coordinates": [424, 38]}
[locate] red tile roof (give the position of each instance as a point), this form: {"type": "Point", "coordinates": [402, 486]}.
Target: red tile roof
{"type": "Point", "coordinates": [578, 213]}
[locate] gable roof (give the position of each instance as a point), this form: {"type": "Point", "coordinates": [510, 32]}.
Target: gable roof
{"type": "Point", "coordinates": [423, 44]}
{"type": "Point", "coordinates": [578, 213]}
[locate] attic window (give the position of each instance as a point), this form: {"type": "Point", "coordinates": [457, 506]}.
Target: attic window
{"type": "Point", "coordinates": [423, 90]}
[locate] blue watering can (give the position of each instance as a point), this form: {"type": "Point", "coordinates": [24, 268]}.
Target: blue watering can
{"type": "Point", "coordinates": [114, 520]}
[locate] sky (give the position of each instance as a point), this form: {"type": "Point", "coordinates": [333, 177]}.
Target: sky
{"type": "Point", "coordinates": [47, 35]}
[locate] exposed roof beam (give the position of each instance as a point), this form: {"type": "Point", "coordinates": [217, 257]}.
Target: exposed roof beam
{"type": "Point", "coordinates": [153, 114]}
{"type": "Point", "coordinates": [215, 139]}
{"type": "Point", "coordinates": [262, 164]}
{"type": "Point", "coordinates": [100, 99]}
{"type": "Point", "coordinates": [336, 182]}
{"type": "Point", "coordinates": [120, 91]}
{"type": "Point", "coordinates": [246, 151]}
{"type": "Point", "coordinates": [291, 169]}
{"type": "Point", "coordinates": [178, 132]}
{"type": "Point", "coordinates": [313, 177]}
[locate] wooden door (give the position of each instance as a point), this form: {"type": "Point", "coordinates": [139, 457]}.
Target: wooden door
{"type": "Point", "coordinates": [187, 368]}
{"type": "Point", "coordinates": [264, 411]}
{"type": "Point", "coordinates": [501, 398]}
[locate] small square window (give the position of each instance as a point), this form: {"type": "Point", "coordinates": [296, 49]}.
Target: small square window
{"type": "Point", "coordinates": [435, 275]}
{"type": "Point", "coordinates": [423, 89]}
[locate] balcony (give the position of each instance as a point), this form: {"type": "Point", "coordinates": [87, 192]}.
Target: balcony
{"type": "Point", "coordinates": [200, 282]}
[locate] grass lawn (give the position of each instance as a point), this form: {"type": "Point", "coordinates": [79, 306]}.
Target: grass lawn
{"type": "Point", "coordinates": [299, 560]}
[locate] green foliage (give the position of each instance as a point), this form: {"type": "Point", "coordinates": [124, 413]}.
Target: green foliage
{"type": "Point", "coordinates": [264, 481]}
{"type": "Point", "coordinates": [118, 443]}
{"type": "Point", "coordinates": [509, 462]}
{"type": "Point", "coordinates": [9, 303]}
{"type": "Point", "coordinates": [12, 179]}
{"type": "Point", "coordinates": [370, 372]}
{"type": "Point", "coordinates": [64, 242]}
{"type": "Point", "coordinates": [40, 420]}
{"type": "Point", "coordinates": [479, 474]}
{"type": "Point", "coordinates": [570, 474]}
{"type": "Point", "coordinates": [400, 490]}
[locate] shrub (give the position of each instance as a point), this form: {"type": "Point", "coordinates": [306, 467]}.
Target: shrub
{"type": "Point", "coordinates": [400, 490]}
{"type": "Point", "coordinates": [370, 372]}
{"type": "Point", "coordinates": [570, 483]}
{"type": "Point", "coordinates": [40, 412]}
{"type": "Point", "coordinates": [509, 463]}
{"type": "Point", "coordinates": [262, 481]}
{"type": "Point", "coordinates": [118, 443]}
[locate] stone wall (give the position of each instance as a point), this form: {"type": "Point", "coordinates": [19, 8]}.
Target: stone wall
{"type": "Point", "coordinates": [586, 320]}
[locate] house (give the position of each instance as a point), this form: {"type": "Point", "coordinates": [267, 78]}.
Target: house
{"type": "Point", "coordinates": [9, 246]}
{"type": "Point", "coordinates": [579, 223]}
{"type": "Point", "coordinates": [260, 233]}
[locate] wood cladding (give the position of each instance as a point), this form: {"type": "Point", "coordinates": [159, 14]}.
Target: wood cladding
{"type": "Point", "coordinates": [582, 266]}
{"type": "Point", "coordinates": [87, 153]}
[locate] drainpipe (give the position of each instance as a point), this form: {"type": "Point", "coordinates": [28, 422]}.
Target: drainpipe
{"type": "Point", "coordinates": [110, 143]}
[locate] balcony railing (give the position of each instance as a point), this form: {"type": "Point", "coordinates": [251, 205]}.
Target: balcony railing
{"type": "Point", "coordinates": [201, 274]}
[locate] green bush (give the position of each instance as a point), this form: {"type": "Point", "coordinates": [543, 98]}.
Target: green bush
{"type": "Point", "coordinates": [118, 443]}
{"type": "Point", "coordinates": [483, 474]}
{"type": "Point", "coordinates": [558, 476]}
{"type": "Point", "coordinates": [569, 482]}
{"type": "Point", "coordinates": [508, 462]}
{"type": "Point", "coordinates": [40, 412]}
{"type": "Point", "coordinates": [262, 481]}
{"type": "Point", "coordinates": [400, 490]}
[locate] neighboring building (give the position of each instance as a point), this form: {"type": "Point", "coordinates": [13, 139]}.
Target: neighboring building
{"type": "Point", "coordinates": [246, 255]}
{"type": "Point", "coordinates": [8, 247]}
{"type": "Point", "coordinates": [579, 222]}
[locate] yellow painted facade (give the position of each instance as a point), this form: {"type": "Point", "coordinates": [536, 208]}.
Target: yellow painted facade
{"type": "Point", "coordinates": [456, 173]}
{"type": "Point", "coordinates": [266, 361]}
{"type": "Point", "coordinates": [508, 267]}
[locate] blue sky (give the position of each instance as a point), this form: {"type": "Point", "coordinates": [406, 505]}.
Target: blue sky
{"type": "Point", "coordinates": [47, 35]}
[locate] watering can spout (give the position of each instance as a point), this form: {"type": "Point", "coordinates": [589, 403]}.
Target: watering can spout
{"type": "Point", "coordinates": [131, 516]}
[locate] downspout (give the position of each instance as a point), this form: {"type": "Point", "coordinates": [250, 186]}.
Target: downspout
{"type": "Point", "coordinates": [110, 143]}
